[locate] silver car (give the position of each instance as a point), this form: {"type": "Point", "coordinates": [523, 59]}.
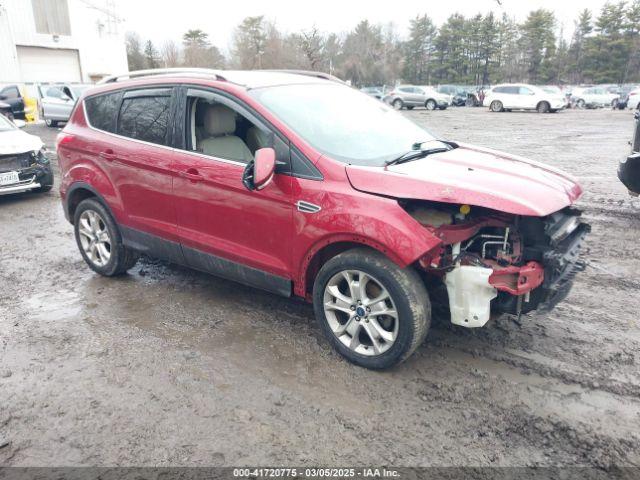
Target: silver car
{"type": "Point", "coordinates": [57, 101]}
{"type": "Point", "coordinates": [410, 96]}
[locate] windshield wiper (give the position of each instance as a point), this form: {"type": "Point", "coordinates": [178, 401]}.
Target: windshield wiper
{"type": "Point", "coordinates": [416, 153]}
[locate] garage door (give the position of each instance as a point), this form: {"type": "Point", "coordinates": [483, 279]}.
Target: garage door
{"type": "Point", "coordinates": [48, 64]}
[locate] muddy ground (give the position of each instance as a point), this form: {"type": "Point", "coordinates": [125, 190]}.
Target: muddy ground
{"type": "Point", "coordinates": [166, 366]}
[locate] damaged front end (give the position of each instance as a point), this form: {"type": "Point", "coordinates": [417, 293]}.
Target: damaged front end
{"type": "Point", "coordinates": [22, 172]}
{"type": "Point", "coordinates": [495, 263]}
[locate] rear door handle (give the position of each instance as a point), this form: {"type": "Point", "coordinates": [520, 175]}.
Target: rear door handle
{"type": "Point", "coordinates": [192, 175]}
{"type": "Point", "coordinates": [108, 155]}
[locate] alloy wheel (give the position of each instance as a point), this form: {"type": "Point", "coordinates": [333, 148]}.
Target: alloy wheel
{"type": "Point", "coordinates": [94, 238]}
{"type": "Point", "coordinates": [361, 312]}
{"type": "Point", "coordinates": [397, 104]}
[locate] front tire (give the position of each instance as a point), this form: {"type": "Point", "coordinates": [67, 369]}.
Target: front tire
{"type": "Point", "coordinates": [430, 104]}
{"type": "Point", "coordinates": [99, 240]}
{"type": "Point", "coordinates": [496, 106]}
{"type": "Point", "coordinates": [372, 312]}
{"type": "Point", "coordinates": [397, 104]}
{"type": "Point", "coordinates": [51, 123]}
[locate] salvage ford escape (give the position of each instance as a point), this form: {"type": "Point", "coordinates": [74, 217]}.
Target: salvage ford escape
{"type": "Point", "coordinates": [266, 179]}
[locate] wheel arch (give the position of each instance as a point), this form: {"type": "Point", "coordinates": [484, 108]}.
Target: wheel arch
{"type": "Point", "coordinates": [77, 192]}
{"type": "Point", "coordinates": [325, 250]}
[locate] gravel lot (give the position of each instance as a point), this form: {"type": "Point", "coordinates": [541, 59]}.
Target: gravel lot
{"type": "Point", "coordinates": [171, 367]}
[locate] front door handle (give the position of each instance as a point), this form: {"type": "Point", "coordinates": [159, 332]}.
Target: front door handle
{"type": "Point", "coordinates": [192, 175]}
{"type": "Point", "coordinates": [108, 155]}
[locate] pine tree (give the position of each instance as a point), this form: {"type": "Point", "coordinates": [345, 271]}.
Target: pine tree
{"type": "Point", "coordinates": [537, 42]}
{"type": "Point", "coordinates": [419, 50]}
{"type": "Point", "coordinates": [151, 56]}
{"type": "Point", "coordinates": [576, 54]}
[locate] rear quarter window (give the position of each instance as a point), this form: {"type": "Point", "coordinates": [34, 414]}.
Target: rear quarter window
{"type": "Point", "coordinates": [145, 118]}
{"type": "Point", "coordinates": [102, 111]}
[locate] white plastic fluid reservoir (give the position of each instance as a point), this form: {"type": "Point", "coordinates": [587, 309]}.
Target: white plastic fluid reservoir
{"type": "Point", "coordinates": [470, 295]}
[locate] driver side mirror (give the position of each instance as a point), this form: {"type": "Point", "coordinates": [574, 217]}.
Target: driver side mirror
{"type": "Point", "coordinates": [259, 172]}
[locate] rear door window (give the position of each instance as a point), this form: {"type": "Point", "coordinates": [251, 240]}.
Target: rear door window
{"type": "Point", "coordinates": [102, 111]}
{"type": "Point", "coordinates": [144, 115]}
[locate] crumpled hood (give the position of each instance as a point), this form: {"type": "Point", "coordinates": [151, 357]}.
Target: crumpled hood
{"type": "Point", "coordinates": [17, 141]}
{"type": "Point", "coordinates": [474, 176]}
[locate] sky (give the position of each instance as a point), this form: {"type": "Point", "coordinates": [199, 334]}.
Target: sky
{"type": "Point", "coordinates": [162, 20]}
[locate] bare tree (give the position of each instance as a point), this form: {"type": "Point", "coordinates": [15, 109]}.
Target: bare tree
{"type": "Point", "coordinates": [170, 54]}
{"type": "Point", "coordinates": [135, 57]}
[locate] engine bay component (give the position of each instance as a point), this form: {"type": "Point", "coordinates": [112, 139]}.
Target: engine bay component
{"type": "Point", "coordinates": [470, 295]}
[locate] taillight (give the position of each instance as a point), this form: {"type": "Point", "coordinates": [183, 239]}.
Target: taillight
{"type": "Point", "coordinates": [62, 139]}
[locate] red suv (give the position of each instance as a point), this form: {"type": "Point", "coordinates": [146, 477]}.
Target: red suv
{"type": "Point", "coordinates": [295, 183]}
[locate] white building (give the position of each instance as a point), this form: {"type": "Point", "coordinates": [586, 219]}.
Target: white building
{"type": "Point", "coordinates": [60, 41]}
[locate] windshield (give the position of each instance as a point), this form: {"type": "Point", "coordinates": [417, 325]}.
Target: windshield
{"type": "Point", "coordinates": [6, 125]}
{"type": "Point", "coordinates": [343, 123]}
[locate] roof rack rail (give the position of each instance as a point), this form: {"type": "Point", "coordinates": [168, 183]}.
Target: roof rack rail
{"type": "Point", "coordinates": [308, 73]}
{"type": "Point", "coordinates": [162, 71]}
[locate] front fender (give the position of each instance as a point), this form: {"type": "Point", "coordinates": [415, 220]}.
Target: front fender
{"type": "Point", "coordinates": [376, 222]}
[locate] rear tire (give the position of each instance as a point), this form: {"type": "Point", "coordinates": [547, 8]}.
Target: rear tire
{"type": "Point", "coordinates": [581, 103]}
{"type": "Point", "coordinates": [496, 106]}
{"type": "Point", "coordinates": [99, 240]}
{"type": "Point", "coordinates": [397, 104]}
{"type": "Point", "coordinates": [349, 313]}
{"type": "Point", "coordinates": [51, 123]}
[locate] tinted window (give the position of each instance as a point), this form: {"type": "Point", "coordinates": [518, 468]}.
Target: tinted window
{"type": "Point", "coordinates": [102, 111]}
{"type": "Point", "coordinates": [525, 91]}
{"type": "Point", "coordinates": [511, 90]}
{"type": "Point", "coordinates": [145, 118]}
{"type": "Point", "coordinates": [11, 92]}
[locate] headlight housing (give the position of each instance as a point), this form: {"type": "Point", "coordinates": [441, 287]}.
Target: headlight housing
{"type": "Point", "coordinates": [40, 156]}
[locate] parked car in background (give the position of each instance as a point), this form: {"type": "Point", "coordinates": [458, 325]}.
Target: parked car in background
{"type": "Point", "coordinates": [522, 97]}
{"type": "Point", "coordinates": [457, 95]}
{"type": "Point", "coordinates": [6, 111]}
{"type": "Point", "coordinates": [375, 92]}
{"type": "Point", "coordinates": [359, 210]}
{"type": "Point", "coordinates": [629, 168]}
{"type": "Point", "coordinates": [593, 97]}
{"type": "Point", "coordinates": [10, 94]}
{"type": "Point", "coordinates": [633, 99]}
{"type": "Point", "coordinates": [57, 101]}
{"type": "Point", "coordinates": [410, 96]}
{"type": "Point", "coordinates": [556, 91]}
{"type": "Point", "coordinates": [24, 165]}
